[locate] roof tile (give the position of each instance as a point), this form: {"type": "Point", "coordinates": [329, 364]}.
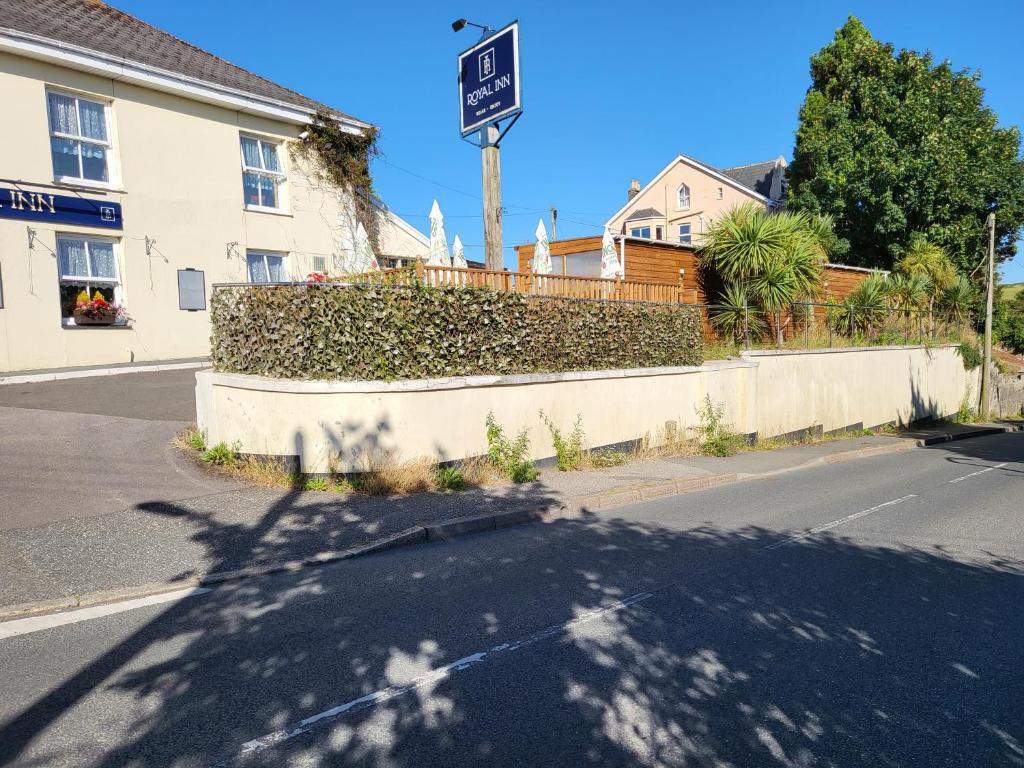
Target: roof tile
{"type": "Point", "coordinates": [96, 26]}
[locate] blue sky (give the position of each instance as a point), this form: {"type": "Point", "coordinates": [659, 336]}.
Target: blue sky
{"type": "Point", "coordinates": [611, 91]}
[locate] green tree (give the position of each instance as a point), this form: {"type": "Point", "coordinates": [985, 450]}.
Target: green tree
{"type": "Point", "coordinates": [895, 146]}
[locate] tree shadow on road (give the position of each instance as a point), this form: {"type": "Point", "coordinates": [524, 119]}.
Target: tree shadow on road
{"type": "Point", "coordinates": [752, 649]}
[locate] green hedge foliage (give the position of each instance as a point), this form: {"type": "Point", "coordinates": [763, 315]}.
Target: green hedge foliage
{"type": "Point", "coordinates": [330, 331]}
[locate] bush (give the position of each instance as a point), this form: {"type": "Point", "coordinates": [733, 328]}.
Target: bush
{"type": "Point", "coordinates": [511, 457]}
{"type": "Point", "coordinates": [569, 452]}
{"type": "Point", "coordinates": [335, 331]}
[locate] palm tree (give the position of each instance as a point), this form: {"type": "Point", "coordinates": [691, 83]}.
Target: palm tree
{"type": "Point", "coordinates": [732, 316]}
{"type": "Point", "coordinates": [776, 257]}
{"type": "Point", "coordinates": [865, 305]}
{"type": "Point", "coordinates": [958, 299]}
{"type": "Point", "coordinates": [924, 259]}
{"type": "Point", "coordinates": [928, 262]}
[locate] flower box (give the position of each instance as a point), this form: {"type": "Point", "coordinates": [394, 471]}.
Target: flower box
{"type": "Point", "coordinates": [96, 311]}
{"type": "Point", "coordinates": [106, 318]}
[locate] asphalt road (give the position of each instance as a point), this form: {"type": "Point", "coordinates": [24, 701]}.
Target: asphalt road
{"type": "Point", "coordinates": [94, 446]}
{"type": "Point", "coordinates": [861, 614]}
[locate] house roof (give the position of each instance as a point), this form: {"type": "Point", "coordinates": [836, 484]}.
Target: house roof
{"type": "Point", "coordinates": [645, 213]}
{"type": "Point", "coordinates": [757, 176]}
{"type": "Point", "coordinates": [93, 25]}
{"type": "Point", "coordinates": [710, 170]}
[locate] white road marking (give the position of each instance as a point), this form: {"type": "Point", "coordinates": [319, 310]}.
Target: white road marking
{"type": "Point", "coordinates": [812, 531]}
{"type": "Point", "coordinates": [378, 697]}
{"type": "Point", "coordinates": [979, 472]}
{"type": "Point", "coordinates": [17, 627]}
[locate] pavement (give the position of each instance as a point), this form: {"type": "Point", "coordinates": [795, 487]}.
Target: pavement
{"type": "Point", "coordinates": [98, 506]}
{"type": "Point", "coordinates": [864, 613]}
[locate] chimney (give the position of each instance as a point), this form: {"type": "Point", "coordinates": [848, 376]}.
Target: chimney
{"type": "Point", "coordinates": [634, 189]}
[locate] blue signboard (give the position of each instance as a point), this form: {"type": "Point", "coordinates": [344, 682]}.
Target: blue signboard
{"type": "Point", "coordinates": [59, 209]}
{"type": "Point", "coordinates": [489, 80]}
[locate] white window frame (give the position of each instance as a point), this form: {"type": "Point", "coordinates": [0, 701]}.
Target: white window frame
{"type": "Point", "coordinates": [720, 193]}
{"type": "Point", "coordinates": [88, 282]}
{"type": "Point", "coordinates": [264, 254]}
{"type": "Point", "coordinates": [108, 145]}
{"type": "Point", "coordinates": [689, 233]}
{"type": "Point", "coordinates": [682, 197]}
{"type": "Point", "coordinates": [279, 178]}
{"type": "Point", "coordinates": [638, 232]}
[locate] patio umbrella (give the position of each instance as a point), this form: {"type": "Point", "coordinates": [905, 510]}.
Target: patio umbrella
{"type": "Point", "coordinates": [363, 257]}
{"type": "Point", "coordinates": [541, 252]}
{"type": "Point", "coordinates": [458, 257]}
{"type": "Point", "coordinates": [610, 266]}
{"type": "Point", "coordinates": [438, 255]}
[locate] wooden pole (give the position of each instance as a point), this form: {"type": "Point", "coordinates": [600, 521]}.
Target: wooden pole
{"type": "Point", "coordinates": [493, 256]}
{"type": "Point", "coordinates": [986, 385]}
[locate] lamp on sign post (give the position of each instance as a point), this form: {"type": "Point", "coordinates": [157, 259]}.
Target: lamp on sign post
{"type": "Point", "coordinates": [489, 92]}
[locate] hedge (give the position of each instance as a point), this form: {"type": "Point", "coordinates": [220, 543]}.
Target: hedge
{"type": "Point", "coordinates": [330, 331]}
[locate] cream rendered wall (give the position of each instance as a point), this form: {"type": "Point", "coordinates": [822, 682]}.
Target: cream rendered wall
{"type": "Point", "coordinates": [340, 424]}
{"type": "Point", "coordinates": [835, 389]}
{"type": "Point", "coordinates": [177, 170]}
{"type": "Point", "coordinates": [703, 201]}
{"type": "Point", "coordinates": [329, 423]}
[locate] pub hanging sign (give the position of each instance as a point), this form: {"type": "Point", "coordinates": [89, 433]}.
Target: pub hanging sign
{"type": "Point", "coordinates": [59, 209]}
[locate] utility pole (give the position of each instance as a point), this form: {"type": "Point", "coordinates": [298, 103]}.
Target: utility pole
{"type": "Point", "coordinates": [986, 384]}
{"type": "Point", "coordinates": [554, 222]}
{"type": "Point", "coordinates": [493, 256]}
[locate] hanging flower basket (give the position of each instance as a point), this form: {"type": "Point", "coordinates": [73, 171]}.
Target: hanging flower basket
{"type": "Point", "coordinates": [96, 311]}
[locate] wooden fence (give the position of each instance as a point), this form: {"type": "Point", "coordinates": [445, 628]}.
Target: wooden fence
{"type": "Point", "coordinates": [571, 286]}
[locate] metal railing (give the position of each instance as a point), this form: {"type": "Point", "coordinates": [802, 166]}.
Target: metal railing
{"type": "Point", "coordinates": [808, 325]}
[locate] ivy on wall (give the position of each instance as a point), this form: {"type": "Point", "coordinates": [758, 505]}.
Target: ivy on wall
{"type": "Point", "coordinates": [333, 331]}
{"type": "Point", "coordinates": [342, 160]}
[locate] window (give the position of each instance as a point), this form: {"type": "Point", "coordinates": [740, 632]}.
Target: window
{"type": "Point", "coordinates": [265, 267]}
{"type": "Point", "coordinates": [79, 139]}
{"type": "Point", "coordinates": [658, 233]}
{"type": "Point", "coordinates": [585, 264]}
{"type": "Point", "coordinates": [641, 232]}
{"type": "Point", "coordinates": [719, 193]}
{"type": "Point", "coordinates": [683, 198]}
{"type": "Point", "coordinates": [86, 264]}
{"type": "Point", "coordinates": [320, 264]}
{"type": "Point", "coordinates": [261, 173]}
{"type": "Point", "coordinates": [684, 233]}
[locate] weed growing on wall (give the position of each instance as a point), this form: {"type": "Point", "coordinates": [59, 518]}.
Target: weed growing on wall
{"type": "Point", "coordinates": [222, 455]}
{"type": "Point", "coordinates": [569, 451]}
{"type": "Point", "coordinates": [714, 437]}
{"type": "Point", "coordinates": [511, 457]}
{"type": "Point", "coordinates": [364, 332]}
{"type": "Point", "coordinates": [606, 457]}
{"type": "Point", "coordinates": [970, 354]}
{"type": "Point", "coordinates": [449, 479]}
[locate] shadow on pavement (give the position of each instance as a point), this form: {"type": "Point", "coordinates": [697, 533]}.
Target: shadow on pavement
{"type": "Point", "coordinates": [820, 652]}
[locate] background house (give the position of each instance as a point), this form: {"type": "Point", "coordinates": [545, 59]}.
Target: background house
{"type": "Point", "coordinates": [146, 169]}
{"type": "Point", "coordinates": [687, 195]}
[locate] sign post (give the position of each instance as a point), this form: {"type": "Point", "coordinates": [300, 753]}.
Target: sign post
{"type": "Point", "coordinates": [489, 92]}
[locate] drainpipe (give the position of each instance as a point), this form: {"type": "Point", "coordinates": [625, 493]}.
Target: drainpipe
{"type": "Point", "coordinates": [622, 256]}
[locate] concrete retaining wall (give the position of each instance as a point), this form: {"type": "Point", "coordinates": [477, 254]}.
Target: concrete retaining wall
{"type": "Point", "coordinates": [343, 424]}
